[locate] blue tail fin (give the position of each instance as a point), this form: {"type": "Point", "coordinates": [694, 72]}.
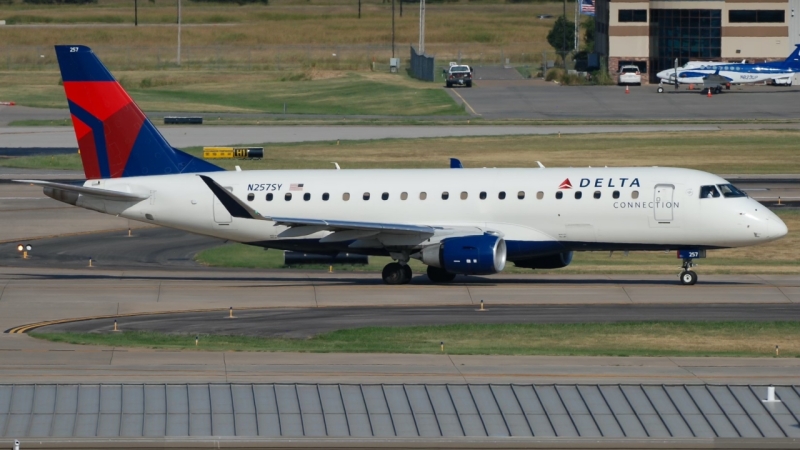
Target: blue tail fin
{"type": "Point", "coordinates": [115, 137]}
{"type": "Point", "coordinates": [793, 61]}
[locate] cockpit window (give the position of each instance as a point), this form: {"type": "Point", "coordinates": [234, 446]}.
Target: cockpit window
{"type": "Point", "coordinates": [708, 192]}
{"type": "Point", "coordinates": [729, 190]}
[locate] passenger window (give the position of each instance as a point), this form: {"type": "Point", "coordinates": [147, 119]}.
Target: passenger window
{"type": "Point", "coordinates": [346, 196]}
{"type": "Point", "coordinates": [288, 196]}
{"type": "Point", "coordinates": [306, 196]}
{"type": "Point", "coordinates": [709, 192]}
{"type": "Point", "coordinates": [251, 197]}
{"type": "Point", "coordinates": [615, 194]}
{"type": "Point", "coordinates": [521, 195]}
{"type": "Point", "coordinates": [483, 196]}
{"type": "Point", "coordinates": [269, 197]}
{"type": "Point", "coordinates": [596, 194]}
{"type": "Point", "coordinates": [559, 194]}
{"type": "Point", "coordinates": [464, 196]}
{"type": "Point", "coordinates": [578, 195]}
{"type": "Point", "coordinates": [366, 196]}
{"type": "Point", "coordinates": [501, 195]}
{"type": "Point", "coordinates": [404, 196]}
{"type": "Point", "coordinates": [423, 195]}
{"type": "Point", "coordinates": [325, 197]}
{"type": "Point", "coordinates": [539, 195]}
{"type": "Point", "coordinates": [385, 196]}
{"type": "Point", "coordinates": [635, 195]}
{"type": "Point", "coordinates": [445, 195]}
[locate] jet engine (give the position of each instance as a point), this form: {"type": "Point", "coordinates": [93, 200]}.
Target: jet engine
{"type": "Point", "coordinates": [555, 261]}
{"type": "Point", "coordinates": [467, 255]}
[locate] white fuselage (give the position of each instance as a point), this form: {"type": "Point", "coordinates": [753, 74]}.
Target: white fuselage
{"type": "Point", "coordinates": [734, 73]}
{"type": "Point", "coordinates": [656, 208]}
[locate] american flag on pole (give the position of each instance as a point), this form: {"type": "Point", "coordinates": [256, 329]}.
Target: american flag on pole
{"type": "Point", "coordinates": [587, 7]}
{"type": "Point", "coordinates": [296, 187]}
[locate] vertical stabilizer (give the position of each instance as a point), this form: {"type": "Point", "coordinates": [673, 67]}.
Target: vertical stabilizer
{"type": "Point", "coordinates": [114, 136]}
{"type": "Point", "coordinates": [793, 61]}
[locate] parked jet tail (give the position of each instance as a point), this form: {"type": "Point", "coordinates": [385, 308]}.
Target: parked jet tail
{"type": "Point", "coordinates": [793, 61]}
{"type": "Point", "coordinates": [114, 136]}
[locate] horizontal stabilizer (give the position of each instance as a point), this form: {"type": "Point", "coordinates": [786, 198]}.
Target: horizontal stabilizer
{"type": "Point", "coordinates": [94, 192]}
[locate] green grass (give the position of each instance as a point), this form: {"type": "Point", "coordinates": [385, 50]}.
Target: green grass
{"type": "Point", "coordinates": [303, 92]}
{"type": "Point", "coordinates": [41, 123]}
{"type": "Point", "coordinates": [742, 339]}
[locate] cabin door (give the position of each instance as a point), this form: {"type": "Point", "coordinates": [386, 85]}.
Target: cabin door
{"type": "Point", "coordinates": [221, 215]}
{"type": "Point", "coordinates": [662, 202]}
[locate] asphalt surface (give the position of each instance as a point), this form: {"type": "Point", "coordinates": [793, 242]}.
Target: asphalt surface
{"type": "Point", "coordinates": [307, 322]}
{"type": "Point", "coordinates": [498, 96]}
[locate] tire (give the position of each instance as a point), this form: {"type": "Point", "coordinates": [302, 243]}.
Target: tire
{"type": "Point", "coordinates": [393, 273]}
{"type": "Point", "coordinates": [660, 90]}
{"type": "Point", "coordinates": [407, 274]}
{"type": "Point", "coordinates": [469, 84]}
{"type": "Point", "coordinates": [438, 275]}
{"type": "Point", "coordinates": [449, 85]}
{"type": "Point", "coordinates": [688, 277]}
{"type": "Point", "coordinates": [718, 90]}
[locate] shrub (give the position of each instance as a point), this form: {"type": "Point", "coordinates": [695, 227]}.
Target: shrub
{"type": "Point", "coordinates": [554, 74]}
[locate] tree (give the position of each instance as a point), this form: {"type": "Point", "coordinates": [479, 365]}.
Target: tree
{"type": "Point", "coordinates": [588, 37]}
{"type": "Point", "coordinates": [562, 36]}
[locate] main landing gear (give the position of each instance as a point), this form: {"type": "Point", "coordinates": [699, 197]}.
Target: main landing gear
{"type": "Point", "coordinates": [688, 276]}
{"type": "Point", "coordinates": [396, 273]}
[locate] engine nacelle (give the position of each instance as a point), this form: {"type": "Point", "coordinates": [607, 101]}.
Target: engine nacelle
{"type": "Point", "coordinates": [468, 255]}
{"type": "Point", "coordinates": [555, 261]}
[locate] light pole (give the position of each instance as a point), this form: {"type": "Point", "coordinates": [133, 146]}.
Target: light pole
{"type": "Point", "coordinates": [136, 13]}
{"type": "Point", "coordinates": [564, 36]}
{"type": "Point", "coordinates": [392, 28]}
{"type": "Point", "coordinates": [179, 32]}
{"type": "Point", "coordinates": [421, 27]}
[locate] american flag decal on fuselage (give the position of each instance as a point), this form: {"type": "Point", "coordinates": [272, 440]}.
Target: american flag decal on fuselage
{"type": "Point", "coordinates": [296, 187]}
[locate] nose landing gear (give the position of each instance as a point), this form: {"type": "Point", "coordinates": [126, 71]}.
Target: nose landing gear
{"type": "Point", "coordinates": [688, 276]}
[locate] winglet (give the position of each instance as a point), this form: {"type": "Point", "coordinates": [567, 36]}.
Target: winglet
{"type": "Point", "coordinates": [234, 206]}
{"type": "Point", "coordinates": [455, 163]}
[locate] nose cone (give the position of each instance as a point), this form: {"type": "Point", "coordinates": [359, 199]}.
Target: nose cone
{"type": "Point", "coordinates": [776, 228]}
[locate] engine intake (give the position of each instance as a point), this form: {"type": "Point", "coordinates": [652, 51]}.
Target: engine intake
{"type": "Point", "coordinates": [555, 261]}
{"type": "Point", "coordinates": [468, 255]}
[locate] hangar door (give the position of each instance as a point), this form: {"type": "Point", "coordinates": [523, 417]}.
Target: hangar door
{"type": "Point", "coordinates": [662, 202]}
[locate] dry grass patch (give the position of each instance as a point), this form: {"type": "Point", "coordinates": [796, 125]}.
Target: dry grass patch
{"type": "Point", "coordinates": [751, 339]}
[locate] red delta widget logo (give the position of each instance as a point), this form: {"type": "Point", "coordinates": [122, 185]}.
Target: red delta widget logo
{"type": "Point", "coordinates": [602, 182]}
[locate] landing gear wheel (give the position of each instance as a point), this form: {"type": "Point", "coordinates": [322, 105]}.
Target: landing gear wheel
{"type": "Point", "coordinates": [660, 90]}
{"type": "Point", "coordinates": [394, 273]}
{"type": "Point", "coordinates": [407, 274]}
{"type": "Point", "coordinates": [438, 275]}
{"type": "Point", "coordinates": [718, 90]}
{"type": "Point", "coordinates": [688, 277]}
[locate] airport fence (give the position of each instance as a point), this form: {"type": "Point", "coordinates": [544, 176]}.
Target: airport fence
{"type": "Point", "coordinates": [270, 57]}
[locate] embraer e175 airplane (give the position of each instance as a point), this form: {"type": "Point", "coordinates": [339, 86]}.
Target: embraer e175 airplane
{"type": "Point", "coordinates": [716, 76]}
{"type": "Point", "coordinates": [465, 221]}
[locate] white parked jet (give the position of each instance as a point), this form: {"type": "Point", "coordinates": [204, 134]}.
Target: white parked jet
{"type": "Point", "coordinates": [467, 221]}
{"type": "Point", "coordinates": [716, 75]}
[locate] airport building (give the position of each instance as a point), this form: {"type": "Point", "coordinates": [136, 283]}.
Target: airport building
{"type": "Point", "coordinates": [652, 34]}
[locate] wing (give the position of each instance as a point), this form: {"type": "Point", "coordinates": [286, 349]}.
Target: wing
{"type": "Point", "coordinates": [104, 194]}
{"type": "Point", "coordinates": [238, 208]}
